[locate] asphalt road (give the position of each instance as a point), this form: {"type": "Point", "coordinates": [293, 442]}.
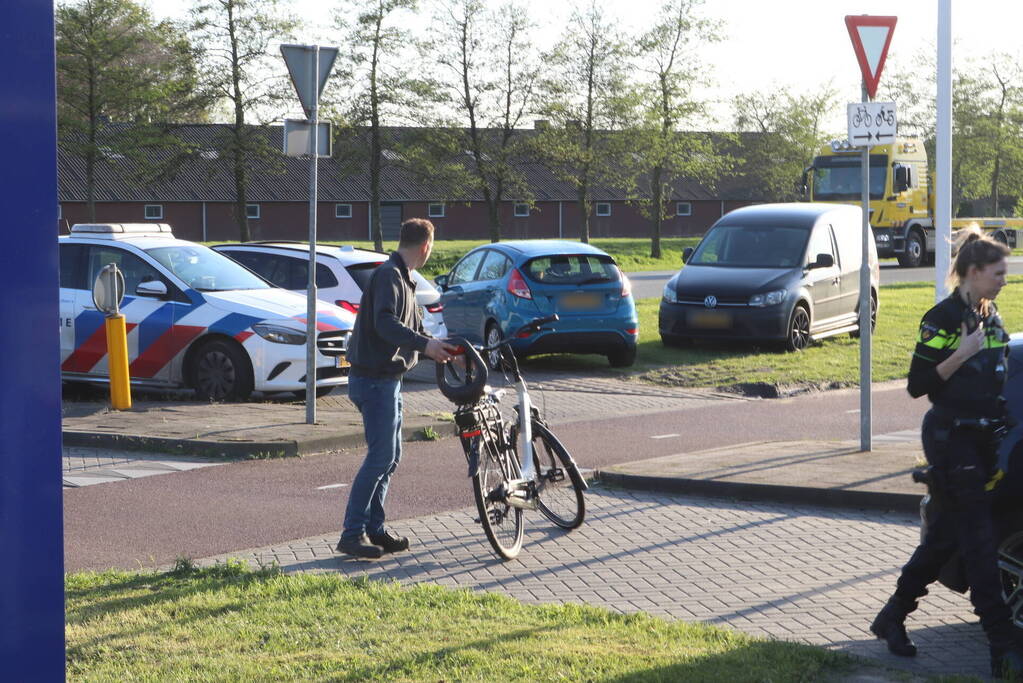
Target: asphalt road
{"type": "Point", "coordinates": [650, 284]}
{"type": "Point", "coordinates": [151, 521]}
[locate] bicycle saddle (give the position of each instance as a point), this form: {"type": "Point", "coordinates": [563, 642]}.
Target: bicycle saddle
{"type": "Point", "coordinates": [463, 384]}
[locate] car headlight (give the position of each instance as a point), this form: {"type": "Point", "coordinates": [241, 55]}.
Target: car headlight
{"type": "Point", "coordinates": [279, 334]}
{"type": "Point", "coordinates": [670, 295]}
{"type": "Point", "coordinates": [768, 299]}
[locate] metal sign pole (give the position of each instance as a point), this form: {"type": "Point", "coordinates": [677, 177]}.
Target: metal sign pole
{"type": "Point", "coordinates": [865, 331]}
{"type": "Point", "coordinates": [314, 158]}
{"type": "Point", "coordinates": [943, 150]}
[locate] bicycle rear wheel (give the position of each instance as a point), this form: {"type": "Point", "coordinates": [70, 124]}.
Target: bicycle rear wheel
{"type": "Point", "coordinates": [559, 487]}
{"type": "Point", "coordinates": [501, 522]}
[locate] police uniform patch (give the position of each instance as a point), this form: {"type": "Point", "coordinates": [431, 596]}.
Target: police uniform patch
{"type": "Point", "coordinates": [928, 332]}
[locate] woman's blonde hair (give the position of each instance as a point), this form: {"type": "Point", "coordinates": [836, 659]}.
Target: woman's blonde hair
{"type": "Point", "coordinates": [972, 247]}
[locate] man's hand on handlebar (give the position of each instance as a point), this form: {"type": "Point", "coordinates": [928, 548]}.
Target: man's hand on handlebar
{"type": "Point", "coordinates": [440, 351]}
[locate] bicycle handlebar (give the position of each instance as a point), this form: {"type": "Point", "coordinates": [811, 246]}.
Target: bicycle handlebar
{"type": "Point", "coordinates": [532, 327]}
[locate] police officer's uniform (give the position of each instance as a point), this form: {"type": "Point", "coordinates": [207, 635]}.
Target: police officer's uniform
{"type": "Point", "coordinates": [960, 439]}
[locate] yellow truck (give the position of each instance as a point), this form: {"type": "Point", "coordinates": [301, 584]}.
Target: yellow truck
{"type": "Point", "coordinates": [901, 200]}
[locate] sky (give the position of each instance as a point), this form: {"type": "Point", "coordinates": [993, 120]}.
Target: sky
{"type": "Point", "coordinates": [795, 44]}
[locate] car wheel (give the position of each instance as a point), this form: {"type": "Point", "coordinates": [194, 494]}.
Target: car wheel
{"type": "Point", "coordinates": [320, 392]}
{"type": "Point", "coordinates": [913, 256]}
{"type": "Point", "coordinates": [221, 371]}
{"type": "Point", "coordinates": [622, 358]}
{"type": "Point", "coordinates": [873, 317]}
{"type": "Point", "coordinates": [493, 335]}
{"type": "Point", "coordinates": [799, 329]}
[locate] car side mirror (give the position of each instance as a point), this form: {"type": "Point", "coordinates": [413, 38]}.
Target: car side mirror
{"type": "Point", "coordinates": [823, 261]}
{"type": "Point", "coordinates": [902, 179]}
{"type": "Point", "coordinates": [687, 253]}
{"type": "Point", "coordinates": [152, 288]}
{"type": "Point", "coordinates": [442, 281]}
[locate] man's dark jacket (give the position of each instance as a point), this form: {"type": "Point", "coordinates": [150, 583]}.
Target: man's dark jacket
{"type": "Point", "coordinates": [388, 334]}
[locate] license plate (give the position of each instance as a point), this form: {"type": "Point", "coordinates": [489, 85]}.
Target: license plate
{"type": "Point", "coordinates": [341, 362]}
{"type": "Point", "coordinates": [581, 301]}
{"type": "Point", "coordinates": [710, 320]}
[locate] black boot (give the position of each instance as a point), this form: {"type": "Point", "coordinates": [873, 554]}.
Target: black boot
{"type": "Point", "coordinates": [1006, 652]}
{"type": "Point", "coordinates": [1007, 664]}
{"type": "Point", "coordinates": [890, 626]}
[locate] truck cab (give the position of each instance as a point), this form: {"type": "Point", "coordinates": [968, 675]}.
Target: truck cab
{"type": "Point", "coordinates": [898, 186]}
{"type": "Point", "coordinates": [901, 201]}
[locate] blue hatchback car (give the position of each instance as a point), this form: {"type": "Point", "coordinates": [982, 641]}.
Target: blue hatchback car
{"type": "Point", "coordinates": [496, 288]}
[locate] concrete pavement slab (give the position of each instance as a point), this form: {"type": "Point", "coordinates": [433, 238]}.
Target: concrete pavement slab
{"type": "Point", "coordinates": [815, 472]}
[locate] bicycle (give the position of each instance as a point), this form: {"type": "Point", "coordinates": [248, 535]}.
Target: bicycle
{"type": "Point", "coordinates": [544, 478]}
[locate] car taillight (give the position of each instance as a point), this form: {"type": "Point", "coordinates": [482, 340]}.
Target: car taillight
{"type": "Point", "coordinates": [348, 305]}
{"type": "Point", "coordinates": [435, 308]}
{"type": "Point", "coordinates": [626, 285]}
{"type": "Point", "coordinates": [517, 286]}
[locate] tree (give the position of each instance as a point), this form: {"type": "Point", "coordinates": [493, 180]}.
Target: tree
{"type": "Point", "coordinates": [234, 38]}
{"type": "Point", "coordinates": [116, 66]}
{"type": "Point", "coordinates": [588, 102]}
{"type": "Point", "coordinates": [788, 132]}
{"type": "Point", "coordinates": [672, 69]}
{"type": "Point", "coordinates": [987, 122]}
{"type": "Point", "coordinates": [381, 89]}
{"type": "Point", "coordinates": [491, 70]}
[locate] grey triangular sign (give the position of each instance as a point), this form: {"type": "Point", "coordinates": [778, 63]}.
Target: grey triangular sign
{"type": "Point", "coordinates": [299, 59]}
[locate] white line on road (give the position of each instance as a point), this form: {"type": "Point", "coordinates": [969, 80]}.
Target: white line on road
{"type": "Point", "coordinates": [853, 411]}
{"type": "Point", "coordinates": [331, 486]}
{"type": "Point", "coordinates": [664, 436]}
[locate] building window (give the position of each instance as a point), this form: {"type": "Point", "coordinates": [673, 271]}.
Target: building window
{"type": "Point", "coordinates": [683, 209]}
{"type": "Point", "coordinates": [154, 212]}
{"type": "Point", "coordinates": [435, 210]}
{"type": "Point", "coordinates": [521, 210]}
{"type": "Point", "coordinates": [252, 210]}
{"type": "Point", "coordinates": [342, 211]}
{"type": "Point", "coordinates": [603, 208]}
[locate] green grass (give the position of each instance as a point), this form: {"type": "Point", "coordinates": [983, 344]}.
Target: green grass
{"type": "Point", "coordinates": [231, 624]}
{"type": "Point", "coordinates": [832, 362]}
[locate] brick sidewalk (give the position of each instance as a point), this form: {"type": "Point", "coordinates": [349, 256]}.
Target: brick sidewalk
{"type": "Point", "coordinates": [779, 571]}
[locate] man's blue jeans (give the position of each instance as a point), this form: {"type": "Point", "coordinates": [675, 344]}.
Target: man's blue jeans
{"type": "Point", "coordinates": [379, 401]}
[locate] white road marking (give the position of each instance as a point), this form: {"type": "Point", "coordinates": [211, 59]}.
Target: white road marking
{"type": "Point", "coordinates": [853, 411]}
{"type": "Point", "coordinates": [331, 486]}
{"type": "Point", "coordinates": [664, 436]}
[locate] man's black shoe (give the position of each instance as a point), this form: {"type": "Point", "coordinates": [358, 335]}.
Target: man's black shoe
{"type": "Point", "coordinates": [389, 541]}
{"type": "Point", "coordinates": [359, 547]}
{"type": "Point", "coordinates": [890, 626]}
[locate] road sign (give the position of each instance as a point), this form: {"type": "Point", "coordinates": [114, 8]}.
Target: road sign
{"type": "Point", "coordinates": [871, 123]}
{"type": "Point", "coordinates": [871, 37]}
{"type": "Point", "coordinates": [298, 140]}
{"type": "Point", "coordinates": [299, 59]}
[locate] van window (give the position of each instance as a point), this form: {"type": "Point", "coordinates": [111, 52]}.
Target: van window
{"type": "Point", "coordinates": [738, 246]}
{"type": "Point", "coordinates": [820, 243]}
{"type": "Point", "coordinates": [848, 236]}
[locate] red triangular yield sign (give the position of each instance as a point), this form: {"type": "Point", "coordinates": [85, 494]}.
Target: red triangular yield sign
{"type": "Point", "coordinates": [871, 37]}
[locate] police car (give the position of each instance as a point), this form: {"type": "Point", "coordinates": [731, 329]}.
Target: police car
{"type": "Point", "coordinates": [195, 318]}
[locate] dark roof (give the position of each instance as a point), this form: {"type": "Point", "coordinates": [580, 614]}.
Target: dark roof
{"type": "Point", "coordinates": [201, 176]}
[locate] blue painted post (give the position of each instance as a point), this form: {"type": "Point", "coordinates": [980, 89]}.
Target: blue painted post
{"type": "Point", "coordinates": [31, 517]}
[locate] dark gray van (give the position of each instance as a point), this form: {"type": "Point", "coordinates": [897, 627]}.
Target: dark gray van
{"type": "Point", "coordinates": [784, 272]}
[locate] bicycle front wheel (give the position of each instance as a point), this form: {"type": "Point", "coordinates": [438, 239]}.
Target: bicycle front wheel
{"type": "Point", "coordinates": [501, 522]}
{"type": "Point", "coordinates": [559, 488]}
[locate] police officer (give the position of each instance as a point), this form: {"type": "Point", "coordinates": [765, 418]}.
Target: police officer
{"type": "Point", "coordinates": [960, 363]}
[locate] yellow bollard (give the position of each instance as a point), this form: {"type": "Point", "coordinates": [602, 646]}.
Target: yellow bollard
{"type": "Point", "coordinates": [117, 353]}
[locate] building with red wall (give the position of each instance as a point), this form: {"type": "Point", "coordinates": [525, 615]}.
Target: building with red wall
{"type": "Point", "coordinates": [198, 200]}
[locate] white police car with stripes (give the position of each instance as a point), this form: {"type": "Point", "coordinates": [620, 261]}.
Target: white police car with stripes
{"type": "Point", "coordinates": [194, 317]}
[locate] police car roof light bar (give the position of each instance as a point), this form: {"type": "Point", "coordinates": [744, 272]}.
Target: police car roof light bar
{"type": "Point", "coordinates": [124, 228]}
